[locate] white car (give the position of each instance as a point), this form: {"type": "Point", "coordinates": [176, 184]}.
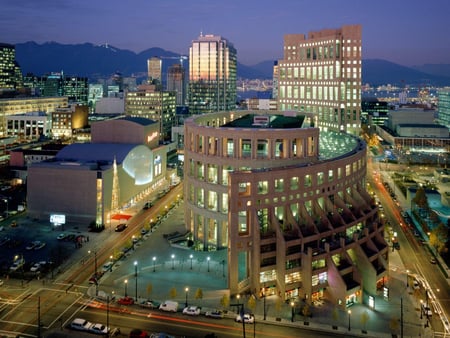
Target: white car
{"type": "Point", "coordinates": [99, 329]}
{"type": "Point", "coordinates": [107, 266]}
{"type": "Point", "coordinates": [248, 318]}
{"type": "Point", "coordinates": [17, 264]}
{"type": "Point", "coordinates": [60, 237]}
{"type": "Point", "coordinates": [36, 267]}
{"type": "Point", "coordinates": [192, 310]}
{"type": "Point", "coordinates": [1, 282]}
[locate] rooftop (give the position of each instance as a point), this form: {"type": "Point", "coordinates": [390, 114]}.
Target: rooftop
{"type": "Point", "coordinates": [266, 121]}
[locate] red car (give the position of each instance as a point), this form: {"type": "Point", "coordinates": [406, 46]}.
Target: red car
{"type": "Point", "coordinates": [125, 301]}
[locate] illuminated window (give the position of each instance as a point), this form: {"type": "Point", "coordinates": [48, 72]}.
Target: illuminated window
{"type": "Point", "coordinates": [263, 187]}
{"type": "Point", "coordinates": [279, 185]}
{"type": "Point", "coordinates": [243, 228]}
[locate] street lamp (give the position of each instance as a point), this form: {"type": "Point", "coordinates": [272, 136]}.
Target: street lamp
{"type": "Point", "coordinates": [126, 283]}
{"type": "Point", "coordinates": [292, 311]}
{"type": "Point", "coordinates": [173, 261]}
{"type": "Point", "coordinates": [187, 291]}
{"type": "Point", "coordinates": [136, 276]}
{"type": "Point", "coordinates": [111, 261]}
{"type": "Point", "coordinates": [238, 297]}
{"type": "Point", "coordinates": [154, 261]}
{"type": "Point", "coordinates": [191, 256]}
{"type": "Point", "coordinates": [264, 299]}
{"type": "Point", "coordinates": [421, 308]}
{"type": "Point", "coordinates": [407, 275]}
{"type": "Point", "coordinates": [7, 206]}
{"type": "Point", "coordinates": [208, 259]}
{"type": "Point", "coordinates": [349, 314]}
{"type": "Point", "coordinates": [95, 262]}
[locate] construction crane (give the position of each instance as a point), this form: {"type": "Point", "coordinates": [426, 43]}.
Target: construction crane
{"type": "Point", "coordinates": [181, 58]}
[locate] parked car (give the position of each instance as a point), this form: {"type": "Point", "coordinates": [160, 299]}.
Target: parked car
{"type": "Point", "coordinates": [17, 264]}
{"type": "Point", "coordinates": [1, 282]}
{"type": "Point", "coordinates": [121, 227]}
{"type": "Point", "coordinates": [80, 324]}
{"type": "Point", "coordinates": [214, 314]}
{"type": "Point", "coordinates": [192, 310]}
{"type": "Point", "coordinates": [151, 304]}
{"type": "Point", "coordinates": [107, 266]}
{"type": "Point", "coordinates": [169, 306]}
{"type": "Point", "coordinates": [2, 227]}
{"type": "Point", "coordinates": [61, 237]}
{"type": "Point", "coordinates": [98, 328]}
{"type": "Point", "coordinates": [125, 301]}
{"type": "Point", "coordinates": [433, 260]}
{"type": "Point", "coordinates": [248, 318]}
{"type": "Point", "coordinates": [138, 333]}
{"type": "Point", "coordinates": [36, 267]}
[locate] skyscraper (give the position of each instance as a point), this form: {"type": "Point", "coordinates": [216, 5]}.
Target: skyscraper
{"type": "Point", "coordinates": [212, 75]}
{"type": "Point", "coordinates": [321, 74]}
{"type": "Point", "coordinates": [176, 83]}
{"type": "Point", "coordinates": [154, 68]}
{"type": "Point", "coordinates": [9, 69]}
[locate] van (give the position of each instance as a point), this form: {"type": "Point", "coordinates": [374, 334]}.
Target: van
{"type": "Point", "coordinates": [169, 306]}
{"type": "Point", "coordinates": [80, 324]}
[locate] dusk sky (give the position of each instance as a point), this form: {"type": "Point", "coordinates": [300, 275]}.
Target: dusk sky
{"type": "Point", "coordinates": [408, 32]}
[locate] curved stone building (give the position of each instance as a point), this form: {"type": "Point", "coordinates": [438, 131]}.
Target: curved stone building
{"type": "Point", "coordinates": [288, 202]}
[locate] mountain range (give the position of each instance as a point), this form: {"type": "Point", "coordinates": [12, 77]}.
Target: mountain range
{"type": "Point", "coordinates": [96, 61]}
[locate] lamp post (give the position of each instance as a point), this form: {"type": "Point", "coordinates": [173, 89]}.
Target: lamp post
{"type": "Point", "coordinates": [136, 276]}
{"type": "Point", "coordinates": [191, 256]}
{"type": "Point", "coordinates": [407, 275]}
{"type": "Point", "coordinates": [95, 262]}
{"type": "Point", "coordinates": [173, 261]}
{"type": "Point", "coordinates": [126, 283]}
{"type": "Point", "coordinates": [107, 315]}
{"type": "Point", "coordinates": [292, 311]}
{"type": "Point", "coordinates": [349, 315]}
{"type": "Point", "coordinates": [238, 297]}
{"type": "Point", "coordinates": [187, 291]}
{"type": "Point", "coordinates": [154, 261]}
{"type": "Point", "coordinates": [111, 261]}
{"type": "Point", "coordinates": [264, 301]}
{"type": "Point", "coordinates": [7, 206]}
{"type": "Point", "coordinates": [421, 308]}
{"type": "Point", "coordinates": [208, 259]}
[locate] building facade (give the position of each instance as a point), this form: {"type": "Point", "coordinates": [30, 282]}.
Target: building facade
{"type": "Point", "coordinates": [444, 107]}
{"type": "Point", "coordinates": [66, 121]}
{"type": "Point", "coordinates": [152, 103]}
{"type": "Point", "coordinates": [212, 75]}
{"type": "Point", "coordinates": [176, 82]}
{"type": "Point", "coordinates": [288, 203]}
{"type": "Point", "coordinates": [10, 74]}
{"type": "Point", "coordinates": [154, 70]}
{"type": "Point", "coordinates": [321, 73]}
{"type": "Point", "coordinates": [28, 126]}
{"type": "Point", "coordinates": [91, 182]}
{"type": "Point", "coordinates": [26, 105]}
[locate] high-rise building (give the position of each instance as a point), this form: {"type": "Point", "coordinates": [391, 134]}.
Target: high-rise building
{"type": "Point", "coordinates": [444, 107]}
{"type": "Point", "coordinates": [154, 68]}
{"type": "Point", "coordinates": [9, 69]}
{"type": "Point", "coordinates": [176, 83]}
{"type": "Point", "coordinates": [321, 74]}
{"type": "Point", "coordinates": [150, 103]}
{"type": "Point", "coordinates": [212, 75]}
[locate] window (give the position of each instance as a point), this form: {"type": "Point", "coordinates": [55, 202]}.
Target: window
{"type": "Point", "coordinates": [263, 187]}
{"type": "Point", "coordinates": [279, 185]}
{"type": "Point", "coordinates": [294, 183]}
{"type": "Point", "coordinates": [243, 228]}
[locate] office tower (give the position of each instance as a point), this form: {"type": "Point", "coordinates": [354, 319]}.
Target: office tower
{"type": "Point", "coordinates": [275, 79]}
{"type": "Point", "coordinates": [76, 89]}
{"type": "Point", "coordinates": [212, 75]}
{"type": "Point", "coordinates": [321, 74]}
{"type": "Point", "coordinates": [154, 68]}
{"type": "Point", "coordinates": [176, 83]}
{"type": "Point", "coordinates": [150, 103]}
{"type": "Point", "coordinates": [444, 107]}
{"type": "Point", "coordinates": [9, 69]}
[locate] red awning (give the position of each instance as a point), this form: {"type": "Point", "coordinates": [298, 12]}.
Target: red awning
{"type": "Point", "coordinates": [120, 217]}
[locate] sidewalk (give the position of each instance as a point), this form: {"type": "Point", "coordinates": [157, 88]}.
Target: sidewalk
{"type": "Point", "coordinates": [211, 275]}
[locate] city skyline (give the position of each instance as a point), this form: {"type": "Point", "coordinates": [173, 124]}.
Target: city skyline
{"type": "Point", "coordinates": [391, 30]}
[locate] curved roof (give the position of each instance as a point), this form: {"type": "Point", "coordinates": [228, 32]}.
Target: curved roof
{"type": "Point", "coordinates": [94, 152]}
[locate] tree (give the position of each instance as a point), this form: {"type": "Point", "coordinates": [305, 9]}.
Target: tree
{"type": "Point", "coordinates": [225, 301]}
{"type": "Point", "coordinates": [439, 238]}
{"type": "Point", "coordinates": [335, 314]}
{"type": "Point", "coordinates": [199, 294]}
{"type": "Point", "coordinates": [420, 199]}
{"type": "Point", "coordinates": [149, 289]}
{"type": "Point", "coordinates": [364, 319]}
{"type": "Point", "coordinates": [251, 303]}
{"type": "Point", "coordinates": [306, 312]}
{"type": "Point", "coordinates": [173, 292]}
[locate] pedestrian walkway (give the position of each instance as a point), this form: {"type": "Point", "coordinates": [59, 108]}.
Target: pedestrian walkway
{"type": "Point", "coordinates": [176, 268]}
